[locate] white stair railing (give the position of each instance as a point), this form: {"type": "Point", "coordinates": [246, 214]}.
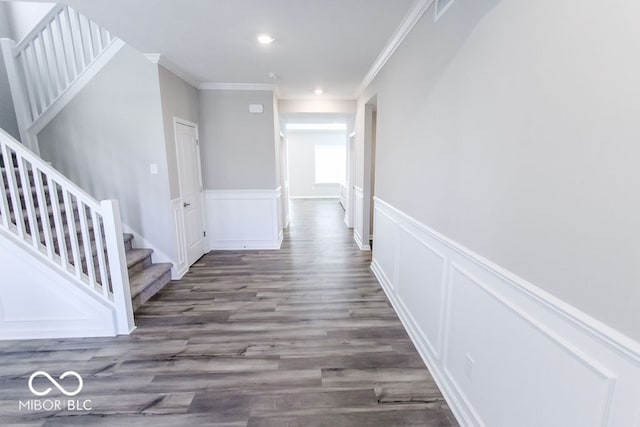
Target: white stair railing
{"type": "Point", "coordinates": [49, 61]}
{"type": "Point", "coordinates": [55, 53]}
{"type": "Point", "coordinates": [65, 226]}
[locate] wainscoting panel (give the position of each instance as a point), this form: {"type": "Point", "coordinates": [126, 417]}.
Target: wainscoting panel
{"type": "Point", "coordinates": [503, 351]}
{"type": "Point", "coordinates": [243, 219]}
{"type": "Point", "coordinates": [386, 237]}
{"type": "Point", "coordinates": [358, 200]}
{"type": "Point", "coordinates": [420, 285]}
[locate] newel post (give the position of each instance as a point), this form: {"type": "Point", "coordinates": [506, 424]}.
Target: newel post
{"type": "Point", "coordinates": [118, 266]}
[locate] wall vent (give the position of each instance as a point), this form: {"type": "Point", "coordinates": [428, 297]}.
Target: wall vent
{"type": "Point", "coordinates": [441, 7]}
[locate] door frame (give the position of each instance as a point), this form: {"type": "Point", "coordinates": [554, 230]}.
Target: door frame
{"type": "Point", "coordinates": [368, 187]}
{"type": "Point", "coordinates": [351, 179]}
{"type": "Point", "coordinates": [181, 233]}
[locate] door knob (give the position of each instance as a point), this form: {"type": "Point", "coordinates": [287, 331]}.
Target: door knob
{"type": "Point", "coordinates": [185, 204]}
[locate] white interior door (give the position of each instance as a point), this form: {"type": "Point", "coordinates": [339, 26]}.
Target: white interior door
{"type": "Point", "coordinates": [188, 151]}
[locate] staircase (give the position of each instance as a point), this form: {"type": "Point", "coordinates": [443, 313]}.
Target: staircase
{"type": "Point", "coordinates": [52, 64]}
{"type": "Point", "coordinates": [145, 277]}
{"type": "Point", "coordinates": [43, 211]}
{"type": "Point", "coordinates": [33, 206]}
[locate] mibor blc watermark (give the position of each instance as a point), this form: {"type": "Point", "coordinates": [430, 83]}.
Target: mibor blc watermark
{"type": "Point", "coordinates": [57, 404]}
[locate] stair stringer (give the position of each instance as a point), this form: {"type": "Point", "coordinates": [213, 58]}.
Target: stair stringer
{"type": "Point", "coordinates": [39, 301]}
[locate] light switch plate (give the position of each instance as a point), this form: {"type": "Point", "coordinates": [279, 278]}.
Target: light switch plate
{"type": "Point", "coordinates": [153, 168]}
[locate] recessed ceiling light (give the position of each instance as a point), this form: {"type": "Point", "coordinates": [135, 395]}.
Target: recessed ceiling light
{"type": "Point", "coordinates": [265, 39]}
{"type": "Point", "coordinates": [318, 91]}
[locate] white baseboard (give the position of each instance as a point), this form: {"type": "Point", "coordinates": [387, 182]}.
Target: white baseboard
{"type": "Point", "coordinates": [158, 256]}
{"type": "Point", "coordinates": [314, 197]}
{"type": "Point", "coordinates": [503, 351]}
{"type": "Point", "coordinates": [39, 301]}
{"type": "Point", "coordinates": [243, 219]}
{"type": "Point", "coordinates": [356, 238]}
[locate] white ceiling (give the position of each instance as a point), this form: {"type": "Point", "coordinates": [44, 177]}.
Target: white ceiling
{"type": "Point", "coordinates": [330, 44]}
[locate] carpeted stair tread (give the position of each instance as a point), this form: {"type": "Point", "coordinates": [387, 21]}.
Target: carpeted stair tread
{"type": "Point", "coordinates": [134, 256]}
{"type": "Point", "coordinates": [147, 278]}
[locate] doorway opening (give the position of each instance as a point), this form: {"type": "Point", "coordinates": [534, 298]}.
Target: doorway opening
{"type": "Point", "coordinates": [370, 134]}
{"type": "Point", "coordinates": [318, 158]}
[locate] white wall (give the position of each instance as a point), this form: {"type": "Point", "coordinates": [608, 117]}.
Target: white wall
{"type": "Point", "coordinates": [7, 113]}
{"type": "Point", "coordinates": [522, 143]}
{"type": "Point", "coordinates": [43, 303]}
{"type": "Point", "coordinates": [499, 348]}
{"type": "Point", "coordinates": [107, 137]}
{"type": "Point", "coordinates": [507, 232]}
{"type": "Point", "coordinates": [301, 146]}
{"type": "Point", "coordinates": [24, 15]}
{"type": "Point", "coordinates": [238, 147]}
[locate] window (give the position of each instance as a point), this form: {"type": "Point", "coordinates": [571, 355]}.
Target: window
{"type": "Point", "coordinates": [330, 164]}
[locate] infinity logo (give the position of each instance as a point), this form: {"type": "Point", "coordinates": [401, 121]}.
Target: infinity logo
{"type": "Point", "coordinates": [55, 383]}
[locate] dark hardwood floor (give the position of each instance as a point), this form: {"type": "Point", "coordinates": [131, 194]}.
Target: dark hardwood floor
{"type": "Point", "coordinates": [303, 336]}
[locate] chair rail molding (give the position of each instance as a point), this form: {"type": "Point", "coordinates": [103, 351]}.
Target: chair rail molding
{"type": "Point", "coordinates": [499, 347]}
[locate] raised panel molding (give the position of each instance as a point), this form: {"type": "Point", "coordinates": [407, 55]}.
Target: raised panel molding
{"type": "Point", "coordinates": [503, 351]}
{"type": "Point", "coordinates": [243, 219]}
{"type": "Point", "coordinates": [358, 201]}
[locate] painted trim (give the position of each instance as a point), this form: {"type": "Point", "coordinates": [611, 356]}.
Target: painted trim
{"type": "Point", "coordinates": [358, 200]}
{"type": "Point", "coordinates": [624, 345]}
{"type": "Point", "coordinates": [140, 242]}
{"type": "Point", "coordinates": [439, 12]}
{"type": "Point", "coordinates": [237, 86]}
{"type": "Point", "coordinates": [598, 352]}
{"type": "Point", "coordinates": [358, 239]}
{"type": "Point", "coordinates": [76, 86]}
{"type": "Point", "coordinates": [159, 59]}
{"type": "Point", "coordinates": [315, 197]}
{"type": "Point", "coordinates": [416, 337]}
{"type": "Point", "coordinates": [181, 267]}
{"type": "Point", "coordinates": [406, 25]}
{"type": "Point", "coordinates": [95, 317]}
{"type": "Point", "coordinates": [242, 194]}
{"type": "Point", "coordinates": [181, 235]}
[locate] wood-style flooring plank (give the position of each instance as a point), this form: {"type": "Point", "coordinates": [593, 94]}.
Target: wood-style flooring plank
{"type": "Point", "coordinates": [301, 336]}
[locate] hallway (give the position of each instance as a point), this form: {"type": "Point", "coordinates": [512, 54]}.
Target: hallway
{"type": "Point", "coordinates": [303, 336]}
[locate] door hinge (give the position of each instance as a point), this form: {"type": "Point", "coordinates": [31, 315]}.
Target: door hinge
{"type": "Point", "coordinates": [197, 141]}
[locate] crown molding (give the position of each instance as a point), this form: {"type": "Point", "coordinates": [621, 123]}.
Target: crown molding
{"type": "Point", "coordinates": [159, 59]}
{"type": "Point", "coordinates": [237, 86]}
{"type": "Point", "coordinates": [412, 17]}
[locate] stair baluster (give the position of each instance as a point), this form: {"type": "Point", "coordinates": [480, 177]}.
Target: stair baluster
{"type": "Point", "coordinates": [65, 227]}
